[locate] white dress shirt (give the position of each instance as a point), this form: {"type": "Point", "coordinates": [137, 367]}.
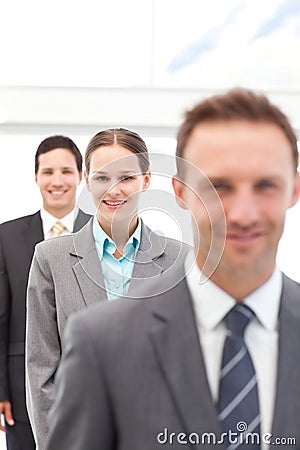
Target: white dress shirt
{"type": "Point", "coordinates": [48, 221]}
{"type": "Point", "coordinates": [211, 304]}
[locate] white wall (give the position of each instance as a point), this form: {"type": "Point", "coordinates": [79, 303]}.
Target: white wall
{"type": "Point", "coordinates": [158, 109]}
{"type": "Point", "coordinates": [20, 195]}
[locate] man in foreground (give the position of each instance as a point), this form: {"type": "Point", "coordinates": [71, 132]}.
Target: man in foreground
{"type": "Point", "coordinates": [212, 358]}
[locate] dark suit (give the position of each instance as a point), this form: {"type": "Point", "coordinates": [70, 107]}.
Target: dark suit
{"type": "Point", "coordinates": [132, 369]}
{"type": "Point", "coordinates": [17, 242]}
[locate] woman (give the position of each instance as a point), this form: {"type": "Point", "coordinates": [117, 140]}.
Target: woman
{"type": "Point", "coordinates": [113, 252]}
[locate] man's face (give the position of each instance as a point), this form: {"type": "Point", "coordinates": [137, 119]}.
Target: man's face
{"type": "Point", "coordinates": [250, 166]}
{"type": "Point", "coordinates": [58, 178]}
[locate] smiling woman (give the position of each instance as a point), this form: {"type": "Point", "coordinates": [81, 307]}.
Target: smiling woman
{"type": "Point", "coordinates": [113, 253]}
{"type": "Point", "coordinates": [117, 172]}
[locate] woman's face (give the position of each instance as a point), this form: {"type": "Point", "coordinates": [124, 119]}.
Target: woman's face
{"type": "Point", "coordinates": [116, 182]}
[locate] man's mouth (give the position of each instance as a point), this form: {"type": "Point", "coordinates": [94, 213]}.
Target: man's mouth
{"type": "Point", "coordinates": [57, 194]}
{"type": "Point", "coordinates": [244, 237]}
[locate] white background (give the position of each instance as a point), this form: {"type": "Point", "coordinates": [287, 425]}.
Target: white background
{"type": "Point", "coordinates": [76, 67]}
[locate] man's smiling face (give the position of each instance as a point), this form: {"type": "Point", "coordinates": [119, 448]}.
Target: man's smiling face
{"type": "Point", "coordinates": [58, 178]}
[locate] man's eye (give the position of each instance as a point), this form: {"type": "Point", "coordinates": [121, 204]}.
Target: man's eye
{"type": "Point", "coordinates": [265, 185]}
{"type": "Point", "coordinates": [220, 186]}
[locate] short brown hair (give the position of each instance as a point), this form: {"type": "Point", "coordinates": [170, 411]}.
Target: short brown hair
{"type": "Point", "coordinates": [58, 141]}
{"type": "Point", "coordinates": [237, 104]}
{"type": "Point", "coordinates": [126, 138]}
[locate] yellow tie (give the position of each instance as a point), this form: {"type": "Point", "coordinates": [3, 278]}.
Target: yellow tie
{"type": "Point", "coordinates": [57, 229]}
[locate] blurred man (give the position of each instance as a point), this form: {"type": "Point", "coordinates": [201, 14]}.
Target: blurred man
{"type": "Point", "coordinates": [58, 171]}
{"type": "Point", "coordinates": [213, 358]}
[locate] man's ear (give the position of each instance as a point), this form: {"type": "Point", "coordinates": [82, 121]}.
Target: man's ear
{"type": "Point", "coordinates": [86, 177]}
{"type": "Point", "coordinates": [296, 191]}
{"type": "Point", "coordinates": [178, 188]}
{"type": "Point", "coordinates": [80, 177]}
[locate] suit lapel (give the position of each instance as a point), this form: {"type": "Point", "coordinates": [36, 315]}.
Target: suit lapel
{"type": "Point", "coordinates": [87, 267]}
{"type": "Point", "coordinates": [176, 345]}
{"type": "Point", "coordinates": [147, 264]}
{"type": "Point", "coordinates": [33, 233]}
{"type": "Point", "coordinates": [287, 409]}
{"type": "Point", "coordinates": [81, 219]}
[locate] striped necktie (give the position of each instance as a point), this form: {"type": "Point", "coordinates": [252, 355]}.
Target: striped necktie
{"type": "Point", "coordinates": [57, 229]}
{"type": "Point", "coordinates": [238, 395]}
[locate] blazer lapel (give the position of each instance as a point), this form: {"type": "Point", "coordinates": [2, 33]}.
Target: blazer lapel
{"type": "Point", "coordinates": [147, 265]}
{"type": "Point", "coordinates": [33, 233]}
{"type": "Point", "coordinates": [81, 219]}
{"type": "Point", "coordinates": [287, 409]}
{"type": "Point", "coordinates": [176, 344]}
{"type": "Point", "coordinates": [87, 267]}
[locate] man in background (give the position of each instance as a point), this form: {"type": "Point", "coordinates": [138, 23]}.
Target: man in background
{"type": "Point", "coordinates": [208, 357]}
{"type": "Point", "coordinates": [58, 172]}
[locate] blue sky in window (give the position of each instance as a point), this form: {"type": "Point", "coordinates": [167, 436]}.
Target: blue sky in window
{"type": "Point", "coordinates": [158, 43]}
{"type": "Point", "coordinates": [244, 42]}
{"type": "Point", "coordinates": [288, 9]}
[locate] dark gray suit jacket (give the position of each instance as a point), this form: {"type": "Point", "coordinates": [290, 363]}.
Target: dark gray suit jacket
{"type": "Point", "coordinates": [17, 242]}
{"type": "Point", "coordinates": [66, 276]}
{"type": "Point", "coordinates": [134, 368]}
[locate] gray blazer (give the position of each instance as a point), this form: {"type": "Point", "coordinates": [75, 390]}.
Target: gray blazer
{"type": "Point", "coordinates": [134, 369]}
{"type": "Point", "coordinates": [66, 276]}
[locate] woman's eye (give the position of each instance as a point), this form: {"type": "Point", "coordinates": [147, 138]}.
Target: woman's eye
{"type": "Point", "coordinates": [127, 178]}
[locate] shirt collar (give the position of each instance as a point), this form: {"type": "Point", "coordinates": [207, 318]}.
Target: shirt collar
{"type": "Point", "coordinates": [211, 303]}
{"type": "Point", "coordinates": [48, 220]}
{"type": "Point", "coordinates": [104, 242]}
{"type": "Point", "coordinates": [265, 301]}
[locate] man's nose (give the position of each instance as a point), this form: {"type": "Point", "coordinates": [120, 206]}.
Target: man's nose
{"type": "Point", "coordinates": [243, 209]}
{"type": "Point", "coordinates": [57, 179]}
